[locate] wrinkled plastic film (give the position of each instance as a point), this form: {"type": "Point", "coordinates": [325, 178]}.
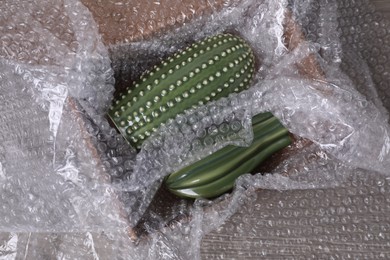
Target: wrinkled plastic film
{"type": "Point", "coordinates": [63, 168]}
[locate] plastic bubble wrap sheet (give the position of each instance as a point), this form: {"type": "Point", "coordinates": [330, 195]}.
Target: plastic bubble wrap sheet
{"type": "Point", "coordinates": [70, 187]}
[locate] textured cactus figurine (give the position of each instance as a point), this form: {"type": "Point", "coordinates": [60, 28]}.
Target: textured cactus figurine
{"type": "Point", "coordinates": [217, 173]}
{"type": "Point", "coordinates": [205, 71]}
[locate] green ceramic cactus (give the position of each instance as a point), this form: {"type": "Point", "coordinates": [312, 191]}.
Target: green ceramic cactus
{"type": "Point", "coordinates": [216, 173]}
{"type": "Point", "coordinates": [205, 71]}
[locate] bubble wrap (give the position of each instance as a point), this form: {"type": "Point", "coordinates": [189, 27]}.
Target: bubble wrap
{"type": "Point", "coordinates": [49, 181]}
{"type": "Point", "coordinates": [71, 188]}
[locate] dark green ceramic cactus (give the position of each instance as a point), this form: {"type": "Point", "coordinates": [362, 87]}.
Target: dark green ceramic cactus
{"type": "Point", "coordinates": [216, 173]}
{"type": "Point", "coordinates": [205, 71]}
